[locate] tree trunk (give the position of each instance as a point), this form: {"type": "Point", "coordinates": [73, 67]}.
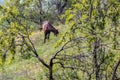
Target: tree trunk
{"type": "Point", "coordinates": [115, 69]}
{"type": "Point", "coordinates": [50, 70]}
{"type": "Point", "coordinates": [50, 74]}
{"type": "Point", "coordinates": [96, 46]}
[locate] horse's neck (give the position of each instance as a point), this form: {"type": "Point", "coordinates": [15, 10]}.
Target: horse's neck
{"type": "Point", "coordinates": [53, 30]}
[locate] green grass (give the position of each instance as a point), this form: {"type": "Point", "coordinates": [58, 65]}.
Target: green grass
{"type": "Point", "coordinates": [30, 69]}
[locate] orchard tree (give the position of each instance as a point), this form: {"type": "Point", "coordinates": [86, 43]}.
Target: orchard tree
{"type": "Point", "coordinates": [90, 48]}
{"type": "Point", "coordinates": [17, 18]}
{"type": "Point", "coordinates": [16, 24]}
{"type": "Point", "coordinates": [96, 25]}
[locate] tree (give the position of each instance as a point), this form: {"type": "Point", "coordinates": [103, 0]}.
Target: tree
{"type": "Point", "coordinates": [97, 22]}
{"type": "Point", "coordinates": [57, 7]}
{"type": "Point", "coordinates": [16, 26]}
{"type": "Point", "coordinates": [90, 44]}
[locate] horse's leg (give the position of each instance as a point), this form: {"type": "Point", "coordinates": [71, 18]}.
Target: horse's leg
{"type": "Point", "coordinates": [48, 35]}
{"type": "Point", "coordinates": [45, 37]}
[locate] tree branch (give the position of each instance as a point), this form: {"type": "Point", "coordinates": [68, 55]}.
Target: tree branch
{"type": "Point", "coordinates": [115, 69]}
{"type": "Point", "coordinates": [32, 48]}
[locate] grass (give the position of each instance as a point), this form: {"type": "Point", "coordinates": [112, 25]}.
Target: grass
{"type": "Point", "coordinates": [31, 69]}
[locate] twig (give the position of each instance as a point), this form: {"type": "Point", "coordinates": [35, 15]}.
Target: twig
{"type": "Point", "coordinates": [115, 69]}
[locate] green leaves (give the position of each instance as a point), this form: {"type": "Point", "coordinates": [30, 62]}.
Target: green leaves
{"type": "Point", "coordinates": [95, 20]}
{"type": "Point", "coordinates": [13, 25]}
{"type": "Point", "coordinates": [15, 11]}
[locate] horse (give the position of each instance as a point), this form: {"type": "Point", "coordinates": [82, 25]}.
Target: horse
{"type": "Point", "coordinates": [47, 28]}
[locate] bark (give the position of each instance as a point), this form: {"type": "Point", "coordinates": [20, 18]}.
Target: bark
{"type": "Point", "coordinates": [97, 68]}
{"type": "Point", "coordinates": [91, 8]}
{"type": "Point", "coordinates": [60, 9]}
{"type": "Point", "coordinates": [50, 70]}
{"type": "Point", "coordinates": [115, 69]}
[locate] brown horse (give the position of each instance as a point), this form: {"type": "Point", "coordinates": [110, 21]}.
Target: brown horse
{"type": "Point", "coordinates": [47, 28]}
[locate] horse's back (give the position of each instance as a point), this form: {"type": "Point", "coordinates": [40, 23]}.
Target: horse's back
{"type": "Point", "coordinates": [47, 26]}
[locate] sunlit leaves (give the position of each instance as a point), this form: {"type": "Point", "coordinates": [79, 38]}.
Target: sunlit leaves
{"type": "Point", "coordinates": [70, 17]}
{"type": "Point", "coordinates": [1, 33]}
{"type": "Point", "coordinates": [12, 26]}
{"type": "Point", "coordinates": [96, 19]}
{"type": "Point", "coordinates": [15, 11]}
{"type": "Point", "coordinates": [78, 6]}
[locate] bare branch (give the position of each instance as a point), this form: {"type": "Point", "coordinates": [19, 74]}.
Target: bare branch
{"type": "Point", "coordinates": [32, 48]}
{"type": "Point", "coordinates": [62, 48]}
{"type": "Point", "coordinates": [115, 69]}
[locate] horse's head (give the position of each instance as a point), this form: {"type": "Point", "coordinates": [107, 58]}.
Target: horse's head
{"type": "Point", "coordinates": [56, 32]}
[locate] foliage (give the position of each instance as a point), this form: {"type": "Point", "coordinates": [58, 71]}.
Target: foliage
{"type": "Point", "coordinates": [95, 24]}
{"type": "Point", "coordinates": [89, 45]}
